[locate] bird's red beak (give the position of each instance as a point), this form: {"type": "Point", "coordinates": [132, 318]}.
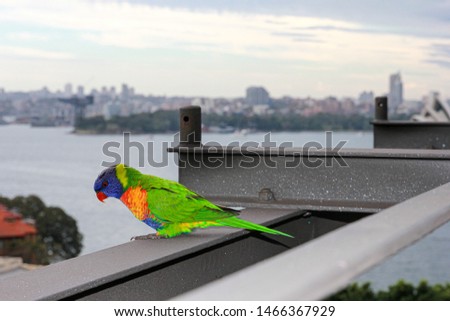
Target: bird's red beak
{"type": "Point", "coordinates": [101, 196]}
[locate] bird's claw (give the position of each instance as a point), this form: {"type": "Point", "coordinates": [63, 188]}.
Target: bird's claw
{"type": "Point", "coordinates": [147, 237]}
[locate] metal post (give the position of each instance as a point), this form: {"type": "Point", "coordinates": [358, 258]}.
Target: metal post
{"type": "Point", "coordinates": [381, 108]}
{"type": "Point", "coordinates": [190, 126]}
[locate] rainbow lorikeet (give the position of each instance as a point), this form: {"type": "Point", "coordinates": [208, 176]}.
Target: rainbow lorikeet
{"type": "Point", "coordinates": [167, 206]}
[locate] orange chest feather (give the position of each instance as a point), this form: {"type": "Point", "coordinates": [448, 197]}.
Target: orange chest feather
{"type": "Point", "coordinates": [135, 198]}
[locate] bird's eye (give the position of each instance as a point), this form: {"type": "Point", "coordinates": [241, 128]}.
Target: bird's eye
{"type": "Point", "coordinates": [105, 183]}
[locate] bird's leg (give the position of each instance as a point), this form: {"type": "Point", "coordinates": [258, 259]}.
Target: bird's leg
{"type": "Point", "coordinates": [147, 237]}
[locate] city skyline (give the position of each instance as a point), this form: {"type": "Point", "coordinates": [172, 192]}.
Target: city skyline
{"type": "Point", "coordinates": [258, 92]}
{"type": "Point", "coordinates": [204, 48]}
{"type": "Point", "coordinates": [252, 95]}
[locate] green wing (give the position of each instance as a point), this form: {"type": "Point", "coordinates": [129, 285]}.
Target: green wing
{"type": "Point", "coordinates": [172, 202]}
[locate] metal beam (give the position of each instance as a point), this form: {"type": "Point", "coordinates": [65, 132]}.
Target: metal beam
{"type": "Point", "coordinates": [371, 180]}
{"type": "Point", "coordinates": [325, 265]}
{"type": "Point", "coordinates": [411, 134]}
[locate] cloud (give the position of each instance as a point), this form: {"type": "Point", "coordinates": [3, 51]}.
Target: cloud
{"type": "Point", "coordinates": [439, 55]}
{"type": "Point", "coordinates": [439, 62]}
{"type": "Point", "coordinates": [325, 42]}
{"type": "Point", "coordinates": [330, 43]}
{"type": "Point", "coordinates": [410, 17]}
{"type": "Point", "coordinates": [27, 36]}
{"type": "Point", "coordinates": [141, 27]}
{"type": "Point", "coordinates": [298, 36]}
{"type": "Point", "coordinates": [441, 49]}
{"type": "Point", "coordinates": [24, 52]}
{"type": "Point", "coordinates": [346, 29]}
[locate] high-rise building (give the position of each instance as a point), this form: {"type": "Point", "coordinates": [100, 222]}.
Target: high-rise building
{"type": "Point", "coordinates": [395, 98]}
{"type": "Point", "coordinates": [80, 91]}
{"type": "Point", "coordinates": [366, 97]}
{"type": "Point", "coordinates": [125, 94]}
{"type": "Point", "coordinates": [68, 90]}
{"type": "Point", "coordinates": [257, 96]}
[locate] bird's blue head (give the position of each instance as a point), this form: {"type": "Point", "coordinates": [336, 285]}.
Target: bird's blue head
{"type": "Point", "coordinates": [108, 185]}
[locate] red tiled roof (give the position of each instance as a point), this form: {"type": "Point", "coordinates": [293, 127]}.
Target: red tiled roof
{"type": "Point", "coordinates": [12, 225]}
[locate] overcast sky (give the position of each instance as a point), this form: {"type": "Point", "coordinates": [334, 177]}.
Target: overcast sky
{"type": "Point", "coordinates": [218, 48]}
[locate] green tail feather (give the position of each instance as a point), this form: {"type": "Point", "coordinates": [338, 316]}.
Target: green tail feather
{"type": "Point", "coordinates": [240, 223]}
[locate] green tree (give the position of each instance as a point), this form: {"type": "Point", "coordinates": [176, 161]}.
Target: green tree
{"type": "Point", "coordinates": [57, 232]}
{"type": "Point", "coordinates": [401, 291]}
{"type": "Point", "coordinates": [355, 292]}
{"type": "Point", "coordinates": [30, 251]}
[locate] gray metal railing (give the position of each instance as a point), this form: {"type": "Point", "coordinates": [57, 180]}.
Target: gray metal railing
{"type": "Point", "coordinates": [323, 266]}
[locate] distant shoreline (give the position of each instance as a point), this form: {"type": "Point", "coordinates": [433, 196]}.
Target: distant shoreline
{"type": "Point", "coordinates": [162, 122]}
